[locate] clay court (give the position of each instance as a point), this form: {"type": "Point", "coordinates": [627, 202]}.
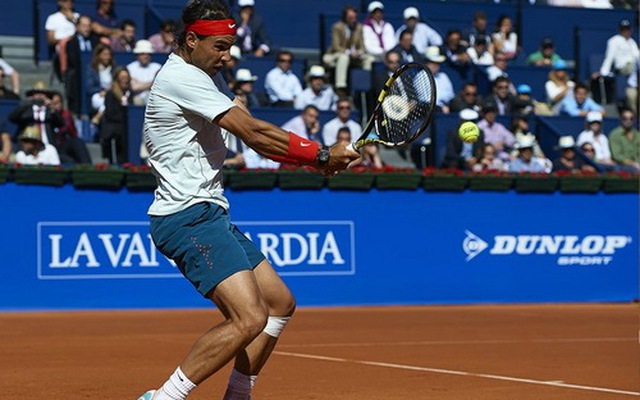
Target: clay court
{"type": "Point", "coordinates": [524, 352]}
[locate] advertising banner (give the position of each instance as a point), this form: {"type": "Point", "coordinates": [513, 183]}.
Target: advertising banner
{"type": "Point", "coordinates": [82, 249]}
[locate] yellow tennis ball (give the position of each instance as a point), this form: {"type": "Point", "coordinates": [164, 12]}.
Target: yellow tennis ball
{"type": "Point", "coordinates": [469, 132]}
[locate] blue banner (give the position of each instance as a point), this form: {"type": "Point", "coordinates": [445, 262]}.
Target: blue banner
{"type": "Point", "coordinates": [83, 249]}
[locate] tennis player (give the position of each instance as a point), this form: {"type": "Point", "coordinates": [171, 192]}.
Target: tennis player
{"type": "Point", "coordinates": [186, 120]}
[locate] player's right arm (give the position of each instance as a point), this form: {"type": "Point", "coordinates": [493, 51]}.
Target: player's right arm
{"type": "Point", "coordinates": [270, 141]}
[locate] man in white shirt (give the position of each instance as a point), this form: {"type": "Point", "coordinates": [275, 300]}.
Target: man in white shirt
{"type": "Point", "coordinates": [423, 35]}
{"type": "Point", "coordinates": [594, 135]}
{"type": "Point", "coordinates": [317, 92]}
{"type": "Point", "coordinates": [61, 24]}
{"type": "Point", "coordinates": [379, 36]}
{"type": "Point", "coordinates": [622, 52]}
{"type": "Point", "coordinates": [33, 151]}
{"type": "Point", "coordinates": [10, 71]}
{"type": "Point", "coordinates": [281, 84]}
{"type": "Point", "coordinates": [142, 71]}
{"type": "Point", "coordinates": [444, 87]}
{"type": "Point", "coordinates": [306, 124]}
{"type": "Point", "coordinates": [331, 128]}
{"type": "Point", "coordinates": [186, 119]}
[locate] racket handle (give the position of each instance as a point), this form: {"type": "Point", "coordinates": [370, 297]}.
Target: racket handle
{"type": "Point", "coordinates": [352, 147]}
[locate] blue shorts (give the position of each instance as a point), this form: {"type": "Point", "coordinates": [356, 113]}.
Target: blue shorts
{"type": "Point", "coordinates": [204, 244]}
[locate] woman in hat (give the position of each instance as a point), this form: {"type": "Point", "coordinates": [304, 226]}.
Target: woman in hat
{"type": "Point", "coordinates": [33, 151]}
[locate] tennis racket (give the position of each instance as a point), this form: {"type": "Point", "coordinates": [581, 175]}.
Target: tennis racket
{"type": "Point", "coordinates": [404, 109]}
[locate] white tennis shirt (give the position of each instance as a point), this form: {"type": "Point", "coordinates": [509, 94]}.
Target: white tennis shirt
{"type": "Point", "coordinates": [186, 149]}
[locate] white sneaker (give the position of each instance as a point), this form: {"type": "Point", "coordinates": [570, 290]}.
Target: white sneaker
{"type": "Point", "coordinates": [148, 395]}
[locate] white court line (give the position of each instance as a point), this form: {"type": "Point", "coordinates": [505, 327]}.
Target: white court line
{"type": "Point", "coordinates": [452, 372]}
{"type": "Point", "coordinates": [448, 342]}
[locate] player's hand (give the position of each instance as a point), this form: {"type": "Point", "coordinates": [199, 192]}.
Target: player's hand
{"type": "Point", "coordinates": [341, 157]}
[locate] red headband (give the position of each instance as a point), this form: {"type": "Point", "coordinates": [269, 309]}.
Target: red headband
{"type": "Point", "coordinates": [207, 27]}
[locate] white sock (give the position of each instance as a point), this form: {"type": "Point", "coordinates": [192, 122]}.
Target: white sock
{"type": "Point", "coordinates": [240, 386]}
{"type": "Point", "coordinates": [177, 387]}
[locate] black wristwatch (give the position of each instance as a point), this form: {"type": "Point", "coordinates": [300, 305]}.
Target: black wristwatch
{"type": "Point", "coordinates": [323, 155]}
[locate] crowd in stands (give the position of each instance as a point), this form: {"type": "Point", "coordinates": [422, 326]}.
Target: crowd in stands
{"type": "Point", "coordinates": [47, 132]}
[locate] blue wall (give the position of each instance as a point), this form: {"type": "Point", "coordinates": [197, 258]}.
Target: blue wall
{"type": "Point", "coordinates": [371, 248]}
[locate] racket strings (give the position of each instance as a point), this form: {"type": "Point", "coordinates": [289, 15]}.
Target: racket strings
{"type": "Point", "coordinates": [409, 101]}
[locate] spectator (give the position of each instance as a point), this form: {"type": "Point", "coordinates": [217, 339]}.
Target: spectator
{"type": "Point", "coordinates": [317, 92]}
{"type": "Point", "coordinates": [479, 52]}
{"type": "Point", "coordinates": [105, 22]}
{"type": "Point", "coordinates": [423, 35]}
{"type": "Point", "coordinates": [251, 35]}
{"type": "Point", "coordinates": [478, 28]}
{"type": "Point", "coordinates": [163, 41]}
{"type": "Point", "coordinates": [489, 161]}
{"type": "Point", "coordinates": [82, 41]}
{"type": "Point", "coordinates": [71, 149]}
{"type": "Point", "coordinates": [281, 84]}
{"type": "Point", "coordinates": [558, 86]}
{"type": "Point", "coordinates": [8, 70]}
{"type": "Point", "coordinates": [545, 56]}
{"type": "Point", "coordinates": [459, 154]}
{"type": "Point", "coordinates": [61, 25]}
{"type": "Point", "coordinates": [499, 69]}
{"type": "Point", "coordinates": [378, 35]}
{"type": "Point", "coordinates": [621, 53]}
{"type": "Point", "coordinates": [253, 160]}
{"type": "Point", "coordinates": [306, 124]}
{"type": "Point", "coordinates": [455, 50]}
{"type": "Point", "coordinates": [505, 40]}
{"type": "Point", "coordinates": [568, 160]}
{"type": "Point", "coordinates": [526, 161]}
{"type": "Point", "coordinates": [114, 124]}
{"type": "Point", "coordinates": [520, 128]}
{"type": "Point", "coordinates": [523, 104]}
{"type": "Point", "coordinates": [624, 142]}
{"type": "Point", "coordinates": [5, 92]}
{"type": "Point", "coordinates": [244, 81]}
{"type": "Point", "coordinates": [6, 152]}
{"type": "Point", "coordinates": [391, 64]}
{"type": "Point", "coordinates": [143, 71]}
{"type": "Point", "coordinates": [406, 49]}
{"type": "Point", "coordinates": [593, 134]}
{"type": "Point", "coordinates": [495, 133]}
{"type": "Point", "coordinates": [33, 151]}
{"type": "Point", "coordinates": [36, 110]}
{"type": "Point", "coordinates": [342, 120]}
{"type": "Point", "coordinates": [346, 49]}
{"type": "Point", "coordinates": [235, 152]}
{"type": "Point", "coordinates": [580, 104]}
{"type": "Point", "coordinates": [468, 97]}
{"type": "Point", "coordinates": [444, 87]}
{"type": "Point", "coordinates": [501, 97]}
{"type": "Point", "coordinates": [126, 41]}
{"type": "Point", "coordinates": [344, 135]}
{"type": "Point", "coordinates": [371, 156]}
{"type": "Point", "coordinates": [99, 76]}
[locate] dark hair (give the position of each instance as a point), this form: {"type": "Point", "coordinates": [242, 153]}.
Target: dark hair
{"type": "Point", "coordinates": [479, 15]}
{"type": "Point", "coordinates": [310, 107]}
{"type": "Point", "coordinates": [284, 53]}
{"type": "Point", "coordinates": [581, 85]}
{"type": "Point", "coordinates": [347, 8]}
{"type": "Point", "coordinates": [127, 22]}
{"type": "Point", "coordinates": [202, 9]}
{"type": "Point", "coordinates": [405, 32]}
{"type": "Point", "coordinates": [501, 19]}
{"type": "Point", "coordinates": [499, 80]}
{"type": "Point", "coordinates": [112, 9]}
{"type": "Point", "coordinates": [168, 25]}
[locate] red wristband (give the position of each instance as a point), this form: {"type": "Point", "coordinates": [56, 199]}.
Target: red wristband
{"type": "Point", "coordinates": [304, 151]}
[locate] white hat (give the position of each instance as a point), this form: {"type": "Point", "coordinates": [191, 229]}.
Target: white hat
{"type": "Point", "coordinates": [433, 54]}
{"type": "Point", "coordinates": [143, 47]}
{"type": "Point", "coordinates": [468, 114]}
{"type": "Point", "coordinates": [374, 5]}
{"type": "Point", "coordinates": [594, 116]}
{"type": "Point", "coordinates": [245, 75]}
{"type": "Point", "coordinates": [411, 12]}
{"type": "Point", "coordinates": [525, 142]}
{"type": "Point", "coordinates": [566, 142]}
{"type": "Point", "coordinates": [236, 52]}
{"type": "Point", "coordinates": [317, 71]}
{"type": "Point", "coordinates": [246, 3]}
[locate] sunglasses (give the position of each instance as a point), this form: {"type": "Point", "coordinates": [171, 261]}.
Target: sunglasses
{"type": "Point", "coordinates": [284, 60]}
{"type": "Point", "coordinates": [344, 108]}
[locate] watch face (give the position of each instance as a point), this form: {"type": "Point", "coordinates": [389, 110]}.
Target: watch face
{"type": "Point", "coordinates": [323, 155]}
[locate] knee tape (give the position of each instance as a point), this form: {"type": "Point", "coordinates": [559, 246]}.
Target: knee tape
{"type": "Point", "coordinates": [275, 325]}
